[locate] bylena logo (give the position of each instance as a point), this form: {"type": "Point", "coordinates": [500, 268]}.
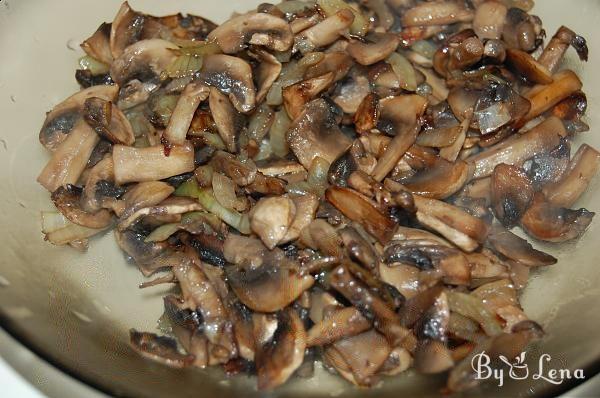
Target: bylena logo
{"type": "Point", "coordinates": [519, 370]}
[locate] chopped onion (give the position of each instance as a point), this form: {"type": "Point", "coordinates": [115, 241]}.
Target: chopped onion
{"type": "Point", "coordinates": [472, 307]}
{"type": "Point", "coordinates": [493, 117]}
{"type": "Point", "coordinates": [162, 233]}
{"type": "Point", "coordinates": [190, 59]}
{"type": "Point", "coordinates": [404, 70]}
{"type": "Point", "coordinates": [53, 221]}
{"type": "Point", "coordinates": [60, 231]}
{"type": "Point", "coordinates": [224, 192]}
{"type": "Point", "coordinates": [317, 175]}
{"type": "Point", "coordinates": [279, 128]}
{"type": "Point", "coordinates": [93, 65]}
{"type": "Point", "coordinates": [359, 27]}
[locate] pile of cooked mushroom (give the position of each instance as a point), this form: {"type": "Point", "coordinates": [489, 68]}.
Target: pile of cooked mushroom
{"type": "Point", "coordinates": [327, 180]}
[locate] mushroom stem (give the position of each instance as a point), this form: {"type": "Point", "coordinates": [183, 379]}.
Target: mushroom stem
{"type": "Point", "coordinates": [436, 13]}
{"type": "Point", "coordinates": [558, 45]}
{"type": "Point", "coordinates": [181, 118]}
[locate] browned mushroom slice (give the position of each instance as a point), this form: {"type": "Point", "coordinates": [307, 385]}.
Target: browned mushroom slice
{"type": "Point", "coordinates": [369, 304]}
{"type": "Point", "coordinates": [306, 208]}
{"type": "Point", "coordinates": [173, 206]}
{"type": "Point", "coordinates": [233, 77]}
{"type": "Point", "coordinates": [61, 120]}
{"type": "Point", "coordinates": [144, 194]}
{"type": "Point", "coordinates": [547, 222]}
{"type": "Point", "coordinates": [149, 257]}
{"type": "Point", "coordinates": [378, 46]}
{"type": "Point", "coordinates": [337, 62]}
{"type": "Point", "coordinates": [271, 218]}
{"type": "Point", "coordinates": [557, 47]}
{"type": "Point", "coordinates": [459, 227]}
{"type": "Point", "coordinates": [360, 209]}
{"type": "Point", "coordinates": [398, 361]}
{"type": "Point", "coordinates": [67, 200]}
{"type": "Point", "coordinates": [315, 133]}
{"type": "Point", "coordinates": [358, 358]}
{"type": "Point", "coordinates": [126, 29]}
{"type": "Point", "coordinates": [489, 19]}
{"type": "Point", "coordinates": [70, 159]}
{"type": "Point", "coordinates": [299, 94]}
{"type": "Point", "coordinates": [228, 120]}
{"type": "Point", "coordinates": [278, 358]}
{"type": "Point", "coordinates": [181, 118]}
{"type": "Point", "coordinates": [359, 249]}
{"type": "Point", "coordinates": [436, 13]}
{"type": "Point", "coordinates": [98, 45]}
{"type": "Point", "coordinates": [266, 74]}
{"type": "Point", "coordinates": [528, 67]}
{"type": "Point", "coordinates": [144, 60]}
{"type": "Point", "coordinates": [344, 322]}
{"type": "Point", "coordinates": [399, 117]}
{"type": "Point", "coordinates": [108, 121]}
{"type": "Point", "coordinates": [201, 295]}
{"type": "Point", "coordinates": [405, 233]}
{"type": "Point", "coordinates": [269, 287]}
{"type": "Point", "coordinates": [544, 97]}
{"type": "Point", "coordinates": [99, 190]}
{"type": "Point", "coordinates": [511, 194]}
{"type": "Point", "coordinates": [159, 348]}
{"type": "Point", "coordinates": [242, 173]}
{"type": "Point", "coordinates": [432, 356]}
{"type": "Point", "coordinates": [253, 28]}
{"type": "Point", "coordinates": [149, 164]}
{"type": "Point", "coordinates": [350, 93]}
{"type": "Point", "coordinates": [541, 139]}
{"type": "Point", "coordinates": [367, 114]}
{"type": "Point", "coordinates": [572, 185]}
{"type": "Point", "coordinates": [441, 181]}
{"type": "Point", "coordinates": [517, 249]}
{"type": "Point", "coordinates": [325, 32]}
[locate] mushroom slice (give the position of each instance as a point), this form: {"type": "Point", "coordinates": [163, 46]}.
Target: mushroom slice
{"type": "Point", "coordinates": [144, 194]}
{"type": "Point", "coordinates": [233, 77]}
{"type": "Point", "coordinates": [528, 67]}
{"type": "Point", "coordinates": [149, 257]}
{"type": "Point", "coordinates": [399, 117]}
{"type": "Point", "coordinates": [436, 13]}
{"type": "Point", "coordinates": [378, 47]}
{"type": "Point", "coordinates": [266, 74]}
{"type": "Point", "coordinates": [511, 194]}
{"type": "Point", "coordinates": [151, 163]}
{"type": "Point", "coordinates": [244, 251]}
{"type": "Point", "coordinates": [99, 190]}
{"type": "Point", "coordinates": [367, 114]}
{"type": "Point", "coordinates": [558, 45]}
{"type": "Point", "coordinates": [338, 62]}
{"type": "Point", "coordinates": [518, 249]}
{"type": "Point", "coordinates": [441, 181]}
{"type": "Point", "coordinates": [344, 322]}
{"type": "Point", "coordinates": [61, 120]}
{"type": "Point", "coordinates": [572, 185]}
{"type": "Point", "coordinates": [277, 359]}
{"type": "Point", "coordinates": [325, 32]}
{"type": "Point", "coordinates": [67, 200]}
{"type": "Point", "coordinates": [349, 95]}
{"type": "Point", "coordinates": [159, 348]}
{"type": "Point", "coordinates": [70, 159]}
{"type": "Point", "coordinates": [370, 305]}
{"type": "Point", "coordinates": [459, 227]}
{"type": "Point", "coordinates": [359, 357]}
{"type": "Point", "coordinates": [126, 29]}
{"type": "Point", "coordinates": [296, 96]}
{"type": "Point", "coordinates": [98, 45]}
{"type": "Point", "coordinates": [544, 97]}
{"type": "Point", "coordinates": [175, 206]}
{"type": "Point", "coordinates": [489, 19]}
{"type": "Point", "coordinates": [268, 288]}
{"type": "Point", "coordinates": [550, 223]}
{"type": "Point", "coordinates": [306, 208]}
{"type": "Point", "coordinates": [541, 139]}
{"type": "Point", "coordinates": [315, 133]}
{"type": "Point", "coordinates": [359, 249]}
{"type": "Point", "coordinates": [360, 209]}
{"type": "Point", "coordinates": [228, 120]}
{"type": "Point", "coordinates": [254, 28]}
{"type": "Point", "coordinates": [242, 173]}
{"type": "Point", "coordinates": [432, 356]}
{"type": "Point", "coordinates": [271, 218]}
{"type": "Point", "coordinates": [108, 121]}
{"type": "Point", "coordinates": [399, 361]}
{"type": "Point", "coordinates": [181, 118]}
{"type": "Point", "coordinates": [145, 60]}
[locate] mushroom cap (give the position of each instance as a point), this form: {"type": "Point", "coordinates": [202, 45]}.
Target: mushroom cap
{"type": "Point", "coordinates": [144, 60]}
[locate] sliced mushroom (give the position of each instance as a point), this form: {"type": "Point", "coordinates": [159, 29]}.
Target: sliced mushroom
{"type": "Point", "coordinates": [242, 173]}
{"type": "Point", "coordinates": [547, 222]}
{"type": "Point", "coordinates": [572, 185]}
{"type": "Point", "coordinates": [296, 96]}
{"type": "Point", "coordinates": [61, 120]}
{"type": "Point", "coordinates": [399, 361]}
{"type": "Point", "coordinates": [254, 28]}
{"type": "Point", "coordinates": [278, 358]}
{"type": "Point", "coordinates": [159, 348]}
{"type": "Point", "coordinates": [149, 257]}
{"type": "Point", "coordinates": [511, 194]}
{"type": "Point", "coordinates": [271, 218]}
{"type": "Point", "coordinates": [316, 133]}
{"type": "Point", "coordinates": [399, 117]}
{"type": "Point", "coordinates": [67, 200]}
{"type": "Point", "coordinates": [325, 32]}
{"type": "Point", "coordinates": [459, 227]}
{"type": "Point", "coordinates": [266, 74]}
{"type": "Point", "coordinates": [359, 249]}
{"type": "Point", "coordinates": [540, 139]}
{"type": "Point", "coordinates": [306, 208]}
{"type": "Point", "coordinates": [126, 29]}
{"type": "Point", "coordinates": [350, 94]}
{"type": "Point", "coordinates": [150, 164]}
{"type": "Point", "coordinates": [378, 47]}
{"type": "Point", "coordinates": [108, 121]}
{"type": "Point", "coordinates": [174, 206]}
{"type": "Point", "coordinates": [144, 194]}
{"type": "Point", "coordinates": [517, 249]}
{"type": "Point", "coordinates": [98, 45]}
{"type": "Point", "coordinates": [338, 62]}
{"type": "Point", "coordinates": [360, 209]}
{"type": "Point", "coordinates": [528, 67]}
{"type": "Point", "coordinates": [340, 323]}
{"type": "Point", "coordinates": [488, 22]}
{"type": "Point", "coordinates": [233, 77]}
{"type": "Point", "coordinates": [228, 120]}
{"type": "Point", "coordinates": [558, 45]}
{"type": "Point", "coordinates": [181, 118]}
{"type": "Point", "coordinates": [145, 60]}
{"type": "Point", "coordinates": [441, 181]}
{"type": "Point", "coordinates": [432, 356]}
{"type": "Point", "coordinates": [70, 159]}
{"type": "Point", "coordinates": [268, 288]}
{"type": "Point", "coordinates": [436, 13]}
